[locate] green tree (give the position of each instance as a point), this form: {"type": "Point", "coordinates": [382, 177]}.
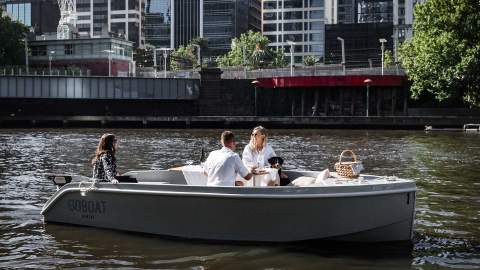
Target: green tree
{"type": "Point", "coordinates": [143, 58]}
{"type": "Point", "coordinates": [184, 57]}
{"type": "Point", "coordinates": [12, 50]}
{"type": "Point", "coordinates": [251, 50]}
{"type": "Point", "coordinates": [309, 60]}
{"type": "Point", "coordinates": [388, 59]}
{"type": "Point", "coordinates": [443, 57]}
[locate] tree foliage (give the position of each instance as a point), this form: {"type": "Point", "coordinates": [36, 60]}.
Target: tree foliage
{"type": "Point", "coordinates": [251, 51]}
{"type": "Point", "coordinates": [184, 57]}
{"type": "Point", "coordinates": [309, 60]}
{"type": "Point", "coordinates": [388, 60]}
{"type": "Point", "coordinates": [12, 50]}
{"type": "Point", "coordinates": [443, 57]}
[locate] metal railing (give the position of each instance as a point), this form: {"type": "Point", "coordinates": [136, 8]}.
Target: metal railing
{"type": "Point", "coordinates": [227, 73]}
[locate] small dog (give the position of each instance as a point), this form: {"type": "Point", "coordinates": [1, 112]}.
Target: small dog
{"type": "Point", "coordinates": [277, 162]}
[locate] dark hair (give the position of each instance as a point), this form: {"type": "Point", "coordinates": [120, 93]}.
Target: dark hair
{"type": "Point", "coordinates": [106, 145]}
{"type": "Point", "coordinates": [227, 136]}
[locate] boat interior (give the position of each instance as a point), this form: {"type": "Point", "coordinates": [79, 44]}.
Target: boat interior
{"type": "Point", "coordinates": [177, 176]}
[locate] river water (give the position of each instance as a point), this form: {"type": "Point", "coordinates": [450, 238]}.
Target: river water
{"type": "Point", "coordinates": [445, 166]}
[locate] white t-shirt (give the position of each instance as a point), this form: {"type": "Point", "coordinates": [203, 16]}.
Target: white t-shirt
{"type": "Point", "coordinates": [258, 159]}
{"type": "Point", "coordinates": [222, 167]}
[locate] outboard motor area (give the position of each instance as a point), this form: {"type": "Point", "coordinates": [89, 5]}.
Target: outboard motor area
{"type": "Point", "coordinates": [60, 180]}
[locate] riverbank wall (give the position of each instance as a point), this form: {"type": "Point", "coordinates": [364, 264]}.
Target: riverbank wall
{"type": "Point", "coordinates": [213, 102]}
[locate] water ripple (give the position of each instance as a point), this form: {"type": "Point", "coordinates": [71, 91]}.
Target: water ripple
{"type": "Point", "coordinates": [444, 166]}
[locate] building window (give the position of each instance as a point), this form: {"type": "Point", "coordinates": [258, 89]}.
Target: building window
{"type": "Point", "coordinates": [117, 16]}
{"type": "Point", "coordinates": [293, 4]}
{"type": "Point", "coordinates": [269, 27]}
{"type": "Point", "coordinates": [39, 50]}
{"type": "Point", "coordinates": [293, 15]}
{"type": "Point", "coordinates": [269, 16]}
{"type": "Point", "coordinates": [269, 5]}
{"type": "Point", "coordinates": [316, 3]}
{"type": "Point", "coordinates": [68, 49]}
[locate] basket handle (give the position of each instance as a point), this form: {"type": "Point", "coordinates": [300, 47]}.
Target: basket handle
{"type": "Point", "coordinates": [351, 154]}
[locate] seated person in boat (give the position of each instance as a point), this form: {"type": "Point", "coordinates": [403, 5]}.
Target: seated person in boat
{"type": "Point", "coordinates": [222, 166]}
{"type": "Point", "coordinates": [257, 152]}
{"type": "Point", "coordinates": [104, 162]}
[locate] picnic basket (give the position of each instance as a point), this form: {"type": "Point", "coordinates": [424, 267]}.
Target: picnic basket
{"type": "Point", "coordinates": [348, 169]}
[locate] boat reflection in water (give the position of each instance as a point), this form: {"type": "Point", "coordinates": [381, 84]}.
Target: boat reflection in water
{"type": "Point", "coordinates": [370, 209]}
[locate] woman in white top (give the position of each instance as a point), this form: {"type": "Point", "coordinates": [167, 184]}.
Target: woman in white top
{"type": "Point", "coordinates": [257, 151]}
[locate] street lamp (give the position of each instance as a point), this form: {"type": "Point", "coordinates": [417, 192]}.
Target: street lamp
{"type": "Point", "coordinates": [50, 57]}
{"type": "Point", "coordinates": [367, 82]}
{"type": "Point", "coordinates": [291, 43]}
{"type": "Point", "coordinates": [25, 35]}
{"type": "Point", "coordinates": [382, 41]}
{"type": "Point", "coordinates": [255, 84]}
{"type": "Point", "coordinates": [199, 62]}
{"type": "Point", "coordinates": [165, 55]}
{"type": "Point", "coordinates": [109, 61]}
{"type": "Point", "coordinates": [244, 52]}
{"type": "Point", "coordinates": [342, 41]}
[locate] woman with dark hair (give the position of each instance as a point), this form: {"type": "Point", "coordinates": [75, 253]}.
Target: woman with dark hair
{"type": "Point", "coordinates": [104, 162]}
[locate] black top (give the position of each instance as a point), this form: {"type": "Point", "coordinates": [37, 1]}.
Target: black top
{"type": "Point", "coordinates": [105, 167]}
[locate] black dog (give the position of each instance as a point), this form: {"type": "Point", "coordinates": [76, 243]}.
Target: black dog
{"type": "Point", "coordinates": [277, 162]}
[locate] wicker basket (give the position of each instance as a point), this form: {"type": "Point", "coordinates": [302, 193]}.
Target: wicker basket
{"type": "Point", "coordinates": [348, 169]}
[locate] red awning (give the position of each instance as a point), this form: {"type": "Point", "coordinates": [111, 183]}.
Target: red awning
{"type": "Point", "coordinates": [331, 81]}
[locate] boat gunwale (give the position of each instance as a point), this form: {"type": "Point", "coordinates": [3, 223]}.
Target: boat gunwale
{"type": "Point", "coordinates": [122, 189]}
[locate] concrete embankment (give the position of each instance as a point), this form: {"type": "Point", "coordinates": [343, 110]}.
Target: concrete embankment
{"type": "Point", "coordinates": [356, 122]}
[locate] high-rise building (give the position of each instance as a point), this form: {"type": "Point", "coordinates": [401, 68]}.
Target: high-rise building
{"type": "Point", "coordinates": [359, 11]}
{"type": "Point", "coordinates": [187, 21]}
{"type": "Point", "coordinates": [32, 13]}
{"type": "Point", "coordinates": [298, 21]}
{"type": "Point", "coordinates": [219, 21]}
{"type": "Point", "coordinates": [158, 22]}
{"type": "Point", "coordinates": [120, 18]}
{"type": "Point", "coordinates": [361, 23]}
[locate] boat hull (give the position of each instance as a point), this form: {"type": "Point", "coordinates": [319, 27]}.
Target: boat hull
{"type": "Point", "coordinates": [283, 214]}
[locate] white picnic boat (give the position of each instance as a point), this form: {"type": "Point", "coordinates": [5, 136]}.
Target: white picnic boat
{"type": "Point", "coordinates": [167, 202]}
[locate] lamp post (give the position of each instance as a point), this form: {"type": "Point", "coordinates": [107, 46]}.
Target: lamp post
{"type": "Point", "coordinates": [109, 62]}
{"type": "Point", "coordinates": [291, 43]}
{"type": "Point", "coordinates": [382, 41]}
{"type": "Point", "coordinates": [255, 84]}
{"type": "Point", "coordinates": [165, 55]}
{"type": "Point", "coordinates": [244, 52]}
{"type": "Point", "coordinates": [50, 57]}
{"type": "Point", "coordinates": [199, 62]}
{"type": "Point", "coordinates": [367, 82]}
{"type": "Point", "coordinates": [342, 42]}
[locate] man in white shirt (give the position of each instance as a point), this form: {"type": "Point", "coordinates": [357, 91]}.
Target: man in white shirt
{"type": "Point", "coordinates": [222, 166]}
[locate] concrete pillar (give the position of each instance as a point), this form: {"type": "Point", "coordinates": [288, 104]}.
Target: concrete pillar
{"type": "Point", "coordinates": [302, 109]}
{"type": "Point", "coordinates": [341, 100]}
{"type": "Point", "coordinates": [327, 101]}
{"type": "Point", "coordinates": [315, 104]}
{"type": "Point", "coordinates": [379, 97]}
{"type": "Point", "coordinates": [394, 100]}
{"type": "Point", "coordinates": [292, 97]}
{"type": "Point", "coordinates": [353, 95]}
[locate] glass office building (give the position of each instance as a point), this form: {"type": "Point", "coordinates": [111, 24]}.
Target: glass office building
{"type": "Point", "coordinates": [299, 21]}
{"type": "Point", "coordinates": [158, 22]}
{"type": "Point", "coordinates": [120, 18]}
{"type": "Point", "coordinates": [170, 23]}
{"type": "Point", "coordinates": [224, 20]}
{"type": "Point", "coordinates": [19, 11]}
